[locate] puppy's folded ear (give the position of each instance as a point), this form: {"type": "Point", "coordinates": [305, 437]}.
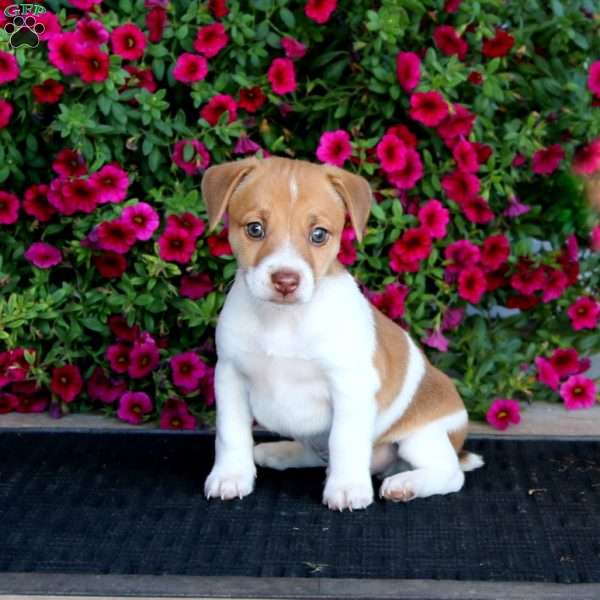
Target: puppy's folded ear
{"type": "Point", "coordinates": [356, 194]}
{"type": "Point", "coordinates": [219, 183]}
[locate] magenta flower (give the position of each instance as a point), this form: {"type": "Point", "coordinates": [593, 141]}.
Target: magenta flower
{"type": "Point", "coordinates": [9, 68]}
{"type": "Point", "coordinates": [587, 158]}
{"type": "Point", "coordinates": [187, 369]}
{"type": "Point", "coordinates": [407, 177]}
{"type": "Point", "coordinates": [546, 373]}
{"type": "Point", "coordinates": [452, 318]}
{"type": "Point", "coordinates": [118, 356]}
{"type": "Point", "coordinates": [472, 284]}
{"type": "Point", "coordinates": [595, 239]}
{"type": "Point", "coordinates": [282, 76]}
{"type": "Point", "coordinates": [196, 286]}
{"type": "Point", "coordinates": [116, 235]}
{"type": "Point", "coordinates": [176, 245]}
{"type": "Point", "coordinates": [199, 158]}
{"type": "Point", "coordinates": [578, 392]}
{"type": "Point", "coordinates": [128, 41]}
{"type": "Point", "coordinates": [334, 147]}
{"type": "Point", "coordinates": [460, 186]}
{"type": "Point", "coordinates": [465, 155]}
{"type": "Point", "coordinates": [190, 68]}
{"type": "Point", "coordinates": [503, 412]}
{"type": "Point", "coordinates": [293, 48]}
{"type": "Point", "coordinates": [391, 300]}
{"type": "Point", "coordinates": [416, 244]}
{"type": "Point", "coordinates": [63, 50]}
{"type": "Point", "coordinates": [142, 218]}
{"type": "Point", "coordinates": [111, 182]}
{"type": "Point", "coordinates": [9, 208]}
{"type": "Point", "coordinates": [461, 255]}
{"type": "Point", "coordinates": [80, 194]}
{"type": "Point", "coordinates": [457, 124]}
{"type": "Point", "coordinates": [216, 106]}
{"type": "Point", "coordinates": [191, 223]}
{"type": "Point", "coordinates": [102, 388]}
{"type": "Point", "coordinates": [555, 285]}
{"type": "Point", "coordinates": [133, 406]}
{"type": "Point", "coordinates": [391, 152]}
{"type": "Point", "coordinates": [546, 161]}
{"type": "Point", "coordinates": [43, 255]}
{"type": "Point", "coordinates": [66, 382]}
{"type": "Point", "coordinates": [495, 251]}
{"type": "Point", "coordinates": [565, 362]}
{"type": "Point", "coordinates": [477, 210]}
{"type": "Point", "coordinates": [143, 359]}
{"type": "Point", "coordinates": [211, 39]}
{"type": "Point", "coordinates": [584, 313]}
{"type": "Point", "coordinates": [320, 10]}
{"type": "Point", "coordinates": [176, 415]}
{"type": "Point", "coordinates": [245, 145]}
{"type": "Point", "coordinates": [69, 163]}
{"type": "Point", "coordinates": [408, 70]}
{"type": "Point", "coordinates": [593, 80]}
{"type": "Point", "coordinates": [91, 32]}
{"type": "Point", "coordinates": [428, 108]}
{"type": "Point", "coordinates": [347, 252]}
{"type": "Point", "coordinates": [6, 111]}
{"type": "Point", "coordinates": [436, 339]}
{"type": "Point", "coordinates": [515, 208]}
{"type": "Point", "coordinates": [448, 41]}
{"type": "Point", "coordinates": [434, 218]}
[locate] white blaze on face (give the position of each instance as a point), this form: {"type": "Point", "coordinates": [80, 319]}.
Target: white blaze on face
{"type": "Point", "coordinates": [285, 258]}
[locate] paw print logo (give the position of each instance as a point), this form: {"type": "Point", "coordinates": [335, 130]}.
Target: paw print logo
{"type": "Point", "coordinates": [24, 31]}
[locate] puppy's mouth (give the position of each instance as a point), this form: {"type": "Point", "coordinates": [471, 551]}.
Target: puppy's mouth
{"type": "Point", "coordinates": [279, 298]}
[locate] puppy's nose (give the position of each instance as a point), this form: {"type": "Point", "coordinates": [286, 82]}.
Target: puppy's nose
{"type": "Point", "coordinates": [285, 282]}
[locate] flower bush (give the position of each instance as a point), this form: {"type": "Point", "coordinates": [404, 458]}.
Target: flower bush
{"type": "Point", "coordinates": [473, 120]}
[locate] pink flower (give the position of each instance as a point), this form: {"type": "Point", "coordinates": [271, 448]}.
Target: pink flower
{"type": "Point", "coordinates": [142, 218]}
{"type": "Point", "coordinates": [556, 283]}
{"type": "Point", "coordinates": [81, 195]}
{"type": "Point", "coordinates": [465, 155]}
{"type": "Point", "coordinates": [407, 177]}
{"type": "Point", "coordinates": [102, 388]}
{"type": "Point", "coordinates": [6, 111]}
{"type": "Point", "coordinates": [143, 359]}
{"type": "Point", "coordinates": [456, 124]}
{"type": "Point", "coordinates": [471, 284]}
{"type": "Point", "coordinates": [584, 313]}
{"type": "Point", "coordinates": [452, 6]}
{"type": "Point", "coordinates": [434, 218]}
{"type": "Point", "coordinates": [334, 147]}
{"type": "Point", "coordinates": [320, 10]}
{"type": "Point", "coordinates": [91, 32]}
{"type": "Point", "coordinates": [449, 42]}
{"type": "Point", "coordinates": [177, 245]}
{"type": "Point", "coordinates": [196, 286]}
{"type": "Point", "coordinates": [495, 251]}
{"type": "Point", "coordinates": [546, 373]}
{"type": "Point", "coordinates": [293, 48]}
{"type": "Point", "coordinates": [128, 41]}
{"type": "Point", "coordinates": [515, 208]}
{"type": "Point", "coordinates": [218, 245]}
{"type": "Point", "coordinates": [428, 108]}
{"type": "Point", "coordinates": [461, 255]}
{"type": "Point", "coordinates": [84, 4]}
{"type": "Point", "coordinates": [93, 64]}
{"type": "Point", "coordinates": [187, 369]}
{"type": "Point", "coordinates": [416, 244]}
{"type": "Point", "coordinates": [391, 300]}
{"type": "Point", "coordinates": [133, 406]}
{"type": "Point", "coordinates": [43, 255]}
{"type": "Point", "coordinates": [565, 361]}
{"type": "Point", "coordinates": [452, 318]}
{"type": "Point", "coordinates": [245, 145]}
{"type": "Point", "coordinates": [63, 50]}
{"type": "Point", "coordinates": [190, 68]}
{"type": "Point", "coordinates": [477, 210]}
{"type": "Point", "coordinates": [69, 163]}
{"type": "Point", "coordinates": [347, 253]}
{"type": "Point", "coordinates": [527, 280]}
{"type": "Point", "coordinates": [9, 208]}
{"type": "Point", "coordinates": [116, 235]}
{"type": "Point", "coordinates": [460, 186]}
{"type": "Point", "coordinates": [594, 78]}
{"type": "Point", "coordinates": [595, 238]}
{"type": "Point", "coordinates": [436, 339]}
{"type": "Point", "coordinates": [216, 106]}
{"type": "Point", "coordinates": [66, 382]}
{"type": "Point", "coordinates": [121, 330]}
{"type": "Point", "coordinates": [503, 412]}
{"type": "Point", "coordinates": [408, 70]}
{"type": "Point", "coordinates": [578, 392]}
{"type": "Point", "coordinates": [546, 161]}
{"type": "Point", "coordinates": [499, 45]}
{"type": "Point", "coordinates": [111, 183]}
{"type": "Point", "coordinates": [9, 68]}
{"type": "Point", "coordinates": [51, 23]}
{"type": "Point", "coordinates": [282, 76]}
{"type": "Point", "coordinates": [175, 415]}
{"type": "Point", "coordinates": [587, 158]}
{"type": "Point", "coordinates": [199, 158]}
{"type": "Point", "coordinates": [189, 222]}
{"type": "Point", "coordinates": [211, 39]}
{"type": "Point", "coordinates": [35, 202]}
{"type": "Point", "coordinates": [391, 152]}
{"type": "Point", "coordinates": [118, 357]}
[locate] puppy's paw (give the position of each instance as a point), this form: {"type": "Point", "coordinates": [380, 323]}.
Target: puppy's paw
{"type": "Point", "coordinates": [228, 484]}
{"type": "Point", "coordinates": [339, 495]}
{"type": "Point", "coordinates": [398, 488]}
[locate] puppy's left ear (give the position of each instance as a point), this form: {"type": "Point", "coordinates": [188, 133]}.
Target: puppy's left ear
{"type": "Point", "coordinates": [218, 184]}
{"type": "Point", "coordinates": [356, 194]}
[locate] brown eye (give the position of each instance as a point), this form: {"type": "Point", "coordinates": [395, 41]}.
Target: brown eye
{"type": "Point", "coordinates": [255, 230]}
{"type": "Point", "coordinates": [319, 236]}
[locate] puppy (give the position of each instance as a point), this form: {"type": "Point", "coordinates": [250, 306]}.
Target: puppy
{"type": "Point", "coordinates": [303, 352]}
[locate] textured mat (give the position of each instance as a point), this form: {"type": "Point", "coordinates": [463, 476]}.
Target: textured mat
{"type": "Point", "coordinates": [132, 504]}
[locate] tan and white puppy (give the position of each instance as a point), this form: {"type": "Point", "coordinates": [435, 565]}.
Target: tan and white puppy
{"type": "Point", "coordinates": [302, 351]}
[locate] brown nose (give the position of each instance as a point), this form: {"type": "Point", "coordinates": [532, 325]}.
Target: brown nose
{"type": "Point", "coordinates": [285, 282]}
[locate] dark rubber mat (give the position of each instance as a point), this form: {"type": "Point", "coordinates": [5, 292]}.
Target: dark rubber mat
{"type": "Point", "coordinates": [132, 504]}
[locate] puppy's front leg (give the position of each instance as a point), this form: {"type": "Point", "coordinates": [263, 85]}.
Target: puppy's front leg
{"type": "Point", "coordinates": [233, 473]}
{"type": "Point", "coordinates": [349, 482]}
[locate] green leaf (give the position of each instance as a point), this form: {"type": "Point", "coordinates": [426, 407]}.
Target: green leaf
{"type": "Point", "coordinates": [288, 18]}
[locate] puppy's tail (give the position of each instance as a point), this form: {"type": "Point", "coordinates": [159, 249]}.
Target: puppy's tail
{"type": "Point", "coordinates": [469, 461]}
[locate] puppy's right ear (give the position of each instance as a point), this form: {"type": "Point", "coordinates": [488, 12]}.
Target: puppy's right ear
{"type": "Point", "coordinates": [219, 183]}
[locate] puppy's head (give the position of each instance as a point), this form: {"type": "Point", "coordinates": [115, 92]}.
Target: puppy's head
{"type": "Point", "coordinates": [285, 221]}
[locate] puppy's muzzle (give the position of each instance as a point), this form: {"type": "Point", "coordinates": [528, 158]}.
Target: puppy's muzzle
{"type": "Point", "coordinates": [285, 282]}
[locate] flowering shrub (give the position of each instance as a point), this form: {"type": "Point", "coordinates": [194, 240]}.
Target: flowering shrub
{"type": "Point", "coordinates": [472, 120]}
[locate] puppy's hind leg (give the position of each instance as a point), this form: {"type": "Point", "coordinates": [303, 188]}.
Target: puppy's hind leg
{"type": "Point", "coordinates": [286, 455]}
{"type": "Point", "coordinates": [436, 467]}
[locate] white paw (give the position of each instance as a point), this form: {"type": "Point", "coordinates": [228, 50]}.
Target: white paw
{"type": "Point", "coordinates": [270, 455]}
{"type": "Point", "coordinates": [350, 495]}
{"type": "Point", "coordinates": [399, 488]}
{"type": "Point", "coordinates": [227, 485]}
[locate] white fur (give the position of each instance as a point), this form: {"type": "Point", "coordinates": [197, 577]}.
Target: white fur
{"type": "Point", "coordinates": [293, 189]}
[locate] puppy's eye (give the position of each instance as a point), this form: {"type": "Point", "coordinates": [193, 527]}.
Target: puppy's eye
{"type": "Point", "coordinates": [318, 236]}
{"type": "Point", "coordinates": [255, 230]}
